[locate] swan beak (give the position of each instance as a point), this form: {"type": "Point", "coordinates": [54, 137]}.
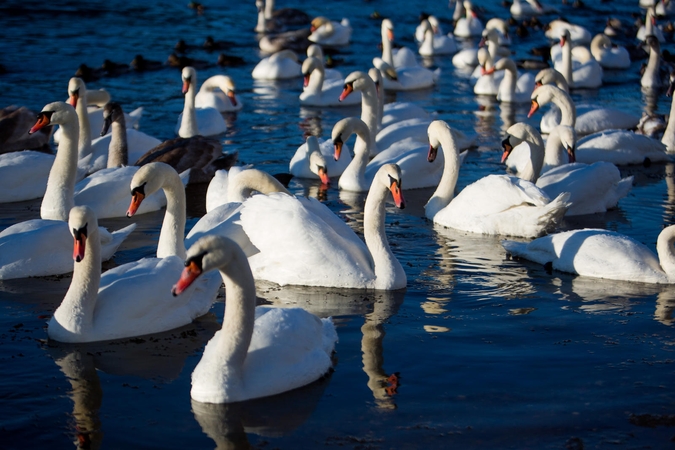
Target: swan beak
{"type": "Point", "coordinates": [186, 86]}
{"type": "Point", "coordinates": [533, 108]}
{"type": "Point", "coordinates": [187, 277]}
{"type": "Point", "coordinates": [42, 121]}
{"type": "Point", "coordinates": [72, 99]}
{"type": "Point", "coordinates": [348, 89]}
{"type": "Point", "coordinates": [79, 244]}
{"type": "Point", "coordinates": [230, 95]}
{"type": "Point", "coordinates": [489, 71]}
{"type": "Point", "coordinates": [482, 42]}
{"type": "Point", "coordinates": [337, 145]}
{"type": "Point", "coordinates": [323, 175]}
{"type": "Point", "coordinates": [396, 192]}
{"type": "Point", "coordinates": [136, 200]}
{"type": "Point", "coordinates": [433, 152]}
{"type": "Point", "coordinates": [571, 154]}
{"type": "Point", "coordinates": [390, 35]}
{"type": "Point", "coordinates": [377, 87]}
{"type": "Point", "coordinates": [537, 84]}
{"type": "Point", "coordinates": [107, 121]}
{"type": "Point", "coordinates": [305, 80]}
{"type": "Point", "coordinates": [562, 41]}
{"type": "Point", "coordinates": [506, 145]}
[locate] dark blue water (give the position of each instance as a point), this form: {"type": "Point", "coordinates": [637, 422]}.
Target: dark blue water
{"type": "Point", "coordinates": [491, 353]}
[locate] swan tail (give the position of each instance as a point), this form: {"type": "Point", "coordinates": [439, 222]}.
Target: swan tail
{"type": "Point", "coordinates": [330, 336]}
{"type": "Point", "coordinates": [621, 189]}
{"type": "Point", "coordinates": [111, 241]}
{"type": "Point", "coordinates": [514, 248]}
{"type": "Point", "coordinates": [135, 117]}
{"type": "Point", "coordinates": [554, 211]}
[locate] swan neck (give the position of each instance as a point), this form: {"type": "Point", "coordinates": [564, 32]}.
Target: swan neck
{"type": "Point", "coordinates": [664, 249]}
{"type": "Point", "coordinates": [669, 133]}
{"type": "Point", "coordinates": [248, 182]}
{"type": "Point", "coordinates": [316, 80]}
{"type": "Point", "coordinates": [371, 114]}
{"type": "Point", "coordinates": [84, 139]}
{"type": "Point", "coordinates": [60, 194]}
{"type": "Point", "coordinates": [118, 150]}
{"type": "Point", "coordinates": [356, 169]}
{"type": "Point", "coordinates": [387, 53]}
{"type": "Point", "coordinates": [445, 191]}
{"type": "Point", "coordinates": [269, 9]}
{"type": "Point", "coordinates": [188, 124]}
{"type": "Point", "coordinates": [553, 154]}
{"type": "Point", "coordinates": [172, 234]}
{"type": "Point", "coordinates": [567, 63]}
{"type": "Point", "coordinates": [567, 109]}
{"type": "Point", "coordinates": [507, 87]}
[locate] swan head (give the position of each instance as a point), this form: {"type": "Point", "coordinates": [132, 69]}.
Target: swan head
{"type": "Point", "coordinates": [388, 30]}
{"type": "Point", "coordinates": [489, 35]}
{"type": "Point", "coordinates": [357, 81]}
{"type": "Point", "coordinates": [189, 77]}
{"type": "Point", "coordinates": [112, 112]}
{"type": "Point", "coordinates": [385, 68]}
{"type": "Point", "coordinates": [210, 252]}
{"type": "Point", "coordinates": [550, 76]}
{"type": "Point", "coordinates": [317, 162]}
{"type": "Point", "coordinates": [517, 133]}
{"type": "Point", "coordinates": [309, 65]}
{"type": "Point", "coordinates": [76, 89]}
{"type": "Point", "coordinates": [564, 37]}
{"type": "Point", "coordinates": [376, 76]}
{"type": "Point", "coordinates": [147, 180]}
{"type": "Point", "coordinates": [437, 130]}
{"type": "Point", "coordinates": [390, 176]}
{"type": "Point", "coordinates": [225, 84]}
{"type": "Point", "coordinates": [56, 113]}
{"type": "Point", "coordinates": [316, 51]}
{"type": "Point", "coordinates": [541, 96]}
{"type": "Point", "coordinates": [343, 130]}
{"type": "Point", "coordinates": [81, 221]}
{"type": "Point", "coordinates": [318, 22]}
{"type": "Point", "coordinates": [653, 43]}
{"type": "Point", "coordinates": [433, 21]}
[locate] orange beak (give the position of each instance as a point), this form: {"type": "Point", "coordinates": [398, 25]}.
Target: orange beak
{"type": "Point", "coordinates": [42, 121]}
{"type": "Point", "coordinates": [305, 81]}
{"type": "Point", "coordinates": [230, 95]}
{"type": "Point", "coordinates": [323, 175]}
{"type": "Point", "coordinates": [562, 41]}
{"type": "Point", "coordinates": [72, 99]}
{"type": "Point", "coordinates": [78, 247]}
{"type": "Point", "coordinates": [507, 149]}
{"type": "Point", "coordinates": [489, 71]}
{"type": "Point", "coordinates": [433, 152]}
{"type": "Point", "coordinates": [537, 84]}
{"type": "Point", "coordinates": [136, 200]}
{"type": "Point", "coordinates": [348, 89]}
{"type": "Point", "coordinates": [186, 86]}
{"type": "Point", "coordinates": [571, 155]}
{"type": "Point", "coordinates": [396, 192]}
{"type": "Point", "coordinates": [187, 277]}
{"type": "Point", "coordinates": [337, 145]}
{"type": "Point", "coordinates": [533, 108]}
{"type": "Point", "coordinates": [390, 35]}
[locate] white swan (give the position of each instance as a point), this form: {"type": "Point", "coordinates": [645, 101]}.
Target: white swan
{"type": "Point", "coordinates": [609, 55]}
{"type": "Point", "coordinates": [650, 28]}
{"type": "Point", "coordinates": [41, 247]}
{"type": "Point", "coordinates": [578, 34]}
{"type": "Point", "coordinates": [314, 159]}
{"type": "Point", "coordinates": [434, 44]}
{"type": "Point", "coordinates": [390, 113]}
{"type": "Point", "coordinates": [259, 351]}
{"type": "Point", "coordinates": [602, 254]}
{"type": "Point", "coordinates": [130, 300]}
{"type": "Point", "coordinates": [513, 88]}
{"type": "Point", "coordinates": [615, 146]}
{"type": "Point", "coordinates": [302, 242]}
{"type": "Point", "coordinates": [521, 8]}
{"type": "Point", "coordinates": [321, 92]}
{"type": "Point", "coordinates": [584, 71]}
{"type": "Point", "coordinates": [594, 188]}
{"type": "Point", "coordinates": [495, 204]}
{"type": "Point", "coordinates": [421, 28]}
{"type": "Point", "coordinates": [281, 65]}
{"type": "Point", "coordinates": [330, 33]}
{"type": "Point", "coordinates": [651, 78]}
{"type": "Point", "coordinates": [668, 138]}
{"type": "Point", "coordinates": [469, 25]}
{"type": "Point", "coordinates": [218, 92]}
{"type": "Point", "coordinates": [195, 121]}
{"type": "Point", "coordinates": [316, 51]}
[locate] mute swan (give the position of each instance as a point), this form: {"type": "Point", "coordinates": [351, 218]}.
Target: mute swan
{"type": "Point", "coordinates": [602, 254]}
{"type": "Point", "coordinates": [469, 25]}
{"type": "Point", "coordinates": [318, 91]}
{"type": "Point", "coordinates": [421, 28]}
{"type": "Point", "coordinates": [502, 28]}
{"type": "Point", "coordinates": [41, 247]}
{"type": "Point", "coordinates": [270, 19]}
{"type": "Point", "coordinates": [295, 40]}
{"type": "Point", "coordinates": [521, 8]}
{"type": "Point", "coordinates": [15, 122]}
{"type": "Point", "coordinates": [651, 78]}
{"type": "Point", "coordinates": [609, 55]}
{"type": "Point", "coordinates": [650, 28]}
{"type": "Point", "coordinates": [615, 146]}
{"type": "Point", "coordinates": [278, 66]}
{"type": "Point", "coordinates": [668, 138]}
{"type": "Point", "coordinates": [302, 242]}
{"type": "Point", "coordinates": [330, 33]}
{"type": "Point", "coordinates": [328, 73]}
{"type": "Point", "coordinates": [195, 121]}
{"type": "Point", "coordinates": [218, 92]}
{"type": "Point", "coordinates": [594, 188]}
{"type": "Point", "coordinates": [390, 113]}
{"type": "Point", "coordinates": [259, 351]}
{"type": "Point", "coordinates": [591, 119]}
{"type": "Point", "coordinates": [314, 159]}
{"type": "Point", "coordinates": [512, 88]}
{"type": "Point", "coordinates": [495, 204]}
{"type": "Point", "coordinates": [433, 44]}
{"type": "Point", "coordinates": [584, 72]}
{"type": "Point", "coordinates": [130, 300]}
{"type": "Point", "coordinates": [578, 34]}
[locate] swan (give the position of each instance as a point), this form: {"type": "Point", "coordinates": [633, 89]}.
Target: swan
{"type": "Point", "coordinates": [495, 204]}
{"type": "Point", "coordinates": [327, 32]}
{"type": "Point", "coordinates": [586, 71]}
{"type": "Point", "coordinates": [651, 78]}
{"type": "Point", "coordinates": [594, 188]}
{"type": "Point", "coordinates": [668, 138]}
{"type": "Point", "coordinates": [281, 65]}
{"type": "Point", "coordinates": [136, 143]}
{"type": "Point", "coordinates": [421, 28]}
{"type": "Point", "coordinates": [302, 242]}
{"type": "Point", "coordinates": [390, 113]}
{"type": "Point", "coordinates": [512, 88]}
{"type": "Point", "coordinates": [433, 44]}
{"type": "Point", "coordinates": [320, 92]}
{"type": "Point", "coordinates": [616, 146]}
{"type": "Point", "coordinates": [15, 122]}
{"type": "Point", "coordinates": [402, 73]}
{"type": "Point", "coordinates": [130, 300]}
{"type": "Point", "coordinates": [602, 254]}
{"type": "Point", "coordinates": [218, 92]}
{"type": "Point", "coordinates": [314, 159]}
{"type": "Point", "coordinates": [650, 28]}
{"type": "Point", "coordinates": [664, 8]}
{"type": "Point", "coordinates": [270, 19]}
{"type": "Point", "coordinates": [197, 121]}
{"type": "Point", "coordinates": [40, 247]}
{"type": "Point", "coordinates": [485, 81]}
{"type": "Point", "coordinates": [502, 28]}
{"type": "Point", "coordinates": [328, 73]}
{"type": "Point", "coordinates": [260, 351]}
{"type": "Point", "coordinates": [530, 8]}
{"type": "Point", "coordinates": [591, 119]}
{"type": "Point", "coordinates": [609, 55]}
{"type": "Point", "coordinates": [295, 40]}
{"type": "Point", "coordinates": [578, 34]}
{"type": "Point", "coordinates": [469, 25]}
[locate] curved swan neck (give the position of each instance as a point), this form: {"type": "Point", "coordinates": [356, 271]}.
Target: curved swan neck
{"type": "Point", "coordinates": [507, 87]}
{"type": "Point", "coordinates": [316, 79]}
{"type": "Point", "coordinates": [118, 150]}
{"type": "Point", "coordinates": [245, 183]}
{"type": "Point", "coordinates": [664, 249]}
{"type": "Point", "coordinates": [445, 191]}
{"type": "Point", "coordinates": [537, 155]}
{"type": "Point", "coordinates": [567, 109]}
{"type": "Point", "coordinates": [653, 66]}
{"type": "Point", "coordinates": [172, 235]}
{"type": "Point", "coordinates": [356, 170]}
{"type": "Point", "coordinates": [60, 194]}
{"type": "Point", "coordinates": [188, 125]}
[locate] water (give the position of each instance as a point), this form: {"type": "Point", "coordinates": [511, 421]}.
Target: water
{"type": "Point", "coordinates": [491, 353]}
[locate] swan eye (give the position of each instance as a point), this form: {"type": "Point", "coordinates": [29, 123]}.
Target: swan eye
{"type": "Point", "coordinates": [139, 190]}
{"type": "Point", "coordinates": [393, 181]}
{"type": "Point", "coordinates": [79, 233]}
{"type": "Point", "coordinates": [75, 92]}
{"type": "Point", "coordinates": [196, 260]}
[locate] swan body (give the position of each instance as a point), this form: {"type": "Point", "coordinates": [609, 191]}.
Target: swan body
{"type": "Point", "coordinates": [195, 121]}
{"type": "Point", "coordinates": [130, 300]}
{"type": "Point", "coordinates": [433, 44]}
{"type": "Point", "coordinates": [316, 156]}
{"type": "Point", "coordinates": [610, 56]}
{"type": "Point", "coordinates": [313, 247]}
{"type": "Point", "coordinates": [218, 92]}
{"type": "Point", "coordinates": [521, 8]}
{"type": "Point", "coordinates": [469, 25]}
{"type": "Point", "coordinates": [320, 92]}
{"type": "Point", "coordinates": [495, 204]}
{"type": "Point", "coordinates": [330, 33]}
{"type": "Point", "coordinates": [23, 175]}
{"type": "Point", "coordinates": [512, 88]}
{"type": "Point", "coordinates": [260, 351]}
{"type": "Point", "coordinates": [620, 147]}
{"type": "Point", "coordinates": [281, 65]}
{"type": "Point", "coordinates": [602, 254]}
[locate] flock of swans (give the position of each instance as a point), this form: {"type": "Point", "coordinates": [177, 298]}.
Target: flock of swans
{"type": "Point", "coordinates": [255, 229]}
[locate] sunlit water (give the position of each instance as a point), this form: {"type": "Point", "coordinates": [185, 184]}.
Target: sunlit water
{"type": "Point", "coordinates": [492, 353]}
